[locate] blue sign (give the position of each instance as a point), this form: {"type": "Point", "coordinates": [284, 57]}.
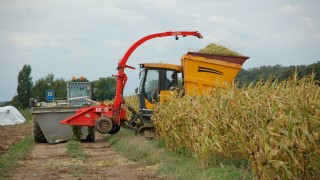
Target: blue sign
{"type": "Point", "coordinates": [50, 95]}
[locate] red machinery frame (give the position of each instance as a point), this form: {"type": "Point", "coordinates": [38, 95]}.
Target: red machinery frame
{"type": "Point", "coordinates": [88, 115]}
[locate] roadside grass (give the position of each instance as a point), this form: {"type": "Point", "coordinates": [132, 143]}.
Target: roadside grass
{"type": "Point", "coordinates": [76, 152]}
{"type": "Point", "coordinates": [26, 113]}
{"type": "Point", "coordinates": [165, 163]}
{"type": "Point", "coordinates": [11, 160]}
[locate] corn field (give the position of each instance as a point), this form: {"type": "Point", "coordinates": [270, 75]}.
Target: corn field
{"type": "Point", "coordinates": [273, 125]}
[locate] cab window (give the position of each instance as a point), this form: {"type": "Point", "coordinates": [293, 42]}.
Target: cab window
{"type": "Point", "coordinates": [170, 80]}
{"type": "Point", "coordinates": [151, 85]}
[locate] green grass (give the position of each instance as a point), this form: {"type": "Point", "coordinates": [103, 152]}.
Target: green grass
{"type": "Point", "coordinates": [26, 113]}
{"type": "Point", "coordinates": [172, 165]}
{"type": "Point", "coordinates": [75, 151]}
{"type": "Point", "coordinates": [16, 153]}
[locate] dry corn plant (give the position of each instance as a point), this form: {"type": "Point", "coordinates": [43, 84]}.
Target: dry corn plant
{"type": "Point", "coordinates": [274, 125]}
{"type": "Point", "coordinates": [132, 100]}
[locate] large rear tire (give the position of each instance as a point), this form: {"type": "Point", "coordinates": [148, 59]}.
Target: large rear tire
{"type": "Point", "coordinates": [38, 135]}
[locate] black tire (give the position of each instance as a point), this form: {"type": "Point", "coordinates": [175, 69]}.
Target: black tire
{"type": "Point", "coordinates": [91, 136]}
{"type": "Point", "coordinates": [115, 129]}
{"type": "Point", "coordinates": [104, 125]}
{"type": "Point", "coordinates": [38, 135]}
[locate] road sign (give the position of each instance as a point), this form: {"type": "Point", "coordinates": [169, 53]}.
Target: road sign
{"type": "Point", "coordinates": [50, 95]}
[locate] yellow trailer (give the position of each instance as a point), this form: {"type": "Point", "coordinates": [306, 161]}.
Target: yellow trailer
{"type": "Point", "coordinates": [202, 72]}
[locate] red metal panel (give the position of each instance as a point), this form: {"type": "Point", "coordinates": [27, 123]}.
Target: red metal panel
{"type": "Point", "coordinates": [83, 117]}
{"type": "Point", "coordinates": [232, 59]}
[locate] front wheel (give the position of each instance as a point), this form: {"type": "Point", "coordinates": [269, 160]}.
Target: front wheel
{"type": "Point", "coordinates": [104, 125]}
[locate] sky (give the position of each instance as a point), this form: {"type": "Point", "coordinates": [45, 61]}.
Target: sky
{"type": "Point", "coordinates": [88, 37]}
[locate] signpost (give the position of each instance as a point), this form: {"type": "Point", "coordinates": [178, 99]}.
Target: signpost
{"type": "Point", "coordinates": [50, 95]}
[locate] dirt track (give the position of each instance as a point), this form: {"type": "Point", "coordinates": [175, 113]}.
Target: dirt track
{"type": "Point", "coordinates": [51, 161]}
{"type": "Point", "coordinates": [12, 134]}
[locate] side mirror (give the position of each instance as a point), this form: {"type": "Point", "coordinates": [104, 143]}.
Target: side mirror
{"type": "Point", "coordinates": [136, 90]}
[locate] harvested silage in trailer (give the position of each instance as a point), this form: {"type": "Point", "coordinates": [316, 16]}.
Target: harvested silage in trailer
{"type": "Point", "coordinates": [218, 50]}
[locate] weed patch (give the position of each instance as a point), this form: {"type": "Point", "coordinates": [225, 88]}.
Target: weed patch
{"type": "Point", "coordinates": [76, 152]}
{"type": "Point", "coordinates": [15, 154]}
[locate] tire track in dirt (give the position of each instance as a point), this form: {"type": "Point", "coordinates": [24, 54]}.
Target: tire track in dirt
{"type": "Point", "coordinates": [45, 161]}
{"type": "Point", "coordinates": [103, 162]}
{"type": "Point", "coordinates": [51, 161]}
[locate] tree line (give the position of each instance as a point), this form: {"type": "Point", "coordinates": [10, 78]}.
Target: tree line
{"type": "Point", "coordinates": [101, 89]}
{"type": "Point", "coordinates": [277, 72]}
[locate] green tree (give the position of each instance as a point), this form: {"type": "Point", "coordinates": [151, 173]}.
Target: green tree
{"type": "Point", "coordinates": [24, 88]}
{"type": "Point", "coordinates": [15, 102]}
{"type": "Point", "coordinates": [48, 83]}
{"type": "Point", "coordinates": [60, 88]}
{"type": "Point", "coordinates": [103, 89]}
{"type": "Point", "coordinates": [278, 72]}
{"type": "Point", "coordinates": [41, 85]}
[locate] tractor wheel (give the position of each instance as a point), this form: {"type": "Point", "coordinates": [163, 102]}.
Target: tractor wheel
{"type": "Point", "coordinates": [115, 129]}
{"type": "Point", "coordinates": [38, 135]}
{"type": "Point", "coordinates": [91, 134]}
{"type": "Point", "coordinates": [104, 125]}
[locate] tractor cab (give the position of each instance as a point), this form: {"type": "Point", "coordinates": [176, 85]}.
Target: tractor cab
{"type": "Point", "coordinates": [157, 80]}
{"type": "Point", "coordinates": [78, 93]}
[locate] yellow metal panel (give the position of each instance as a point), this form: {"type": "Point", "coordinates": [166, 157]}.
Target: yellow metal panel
{"type": "Point", "coordinates": [163, 97]}
{"type": "Point", "coordinates": [201, 73]}
{"type": "Point", "coordinates": [162, 65]}
{"type": "Point", "coordinates": [148, 104]}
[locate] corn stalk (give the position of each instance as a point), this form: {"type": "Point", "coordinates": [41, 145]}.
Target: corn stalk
{"type": "Point", "coordinates": [274, 125]}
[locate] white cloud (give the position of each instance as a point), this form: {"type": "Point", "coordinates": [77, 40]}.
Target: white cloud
{"type": "Point", "coordinates": [31, 40]}
{"type": "Point", "coordinates": [305, 33]}
{"type": "Point", "coordinates": [219, 19]}
{"type": "Point", "coordinates": [113, 43]}
{"type": "Point", "coordinates": [288, 8]}
{"type": "Point", "coordinates": [309, 24]}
